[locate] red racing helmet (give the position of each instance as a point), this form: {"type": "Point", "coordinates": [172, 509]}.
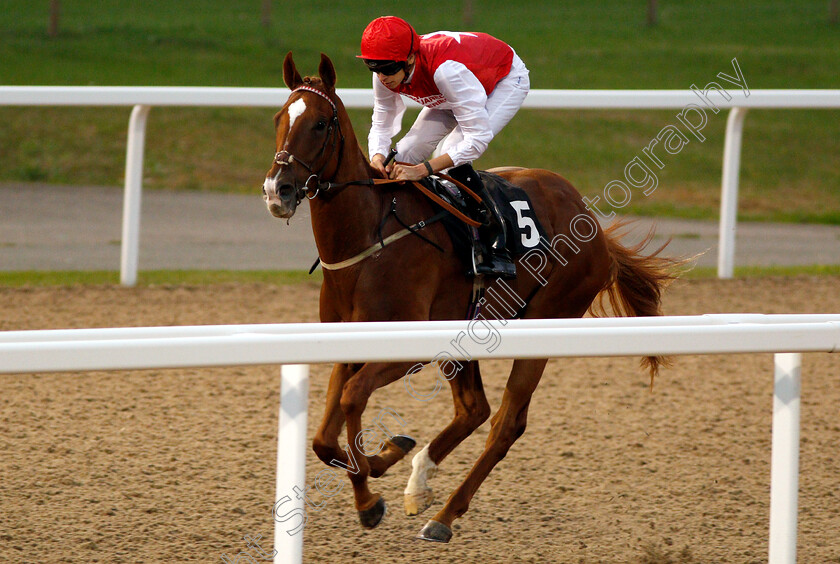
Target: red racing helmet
{"type": "Point", "coordinates": [388, 38]}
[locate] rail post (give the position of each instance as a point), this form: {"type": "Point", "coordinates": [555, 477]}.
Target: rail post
{"type": "Point", "coordinates": [291, 465]}
{"type": "Point", "coordinates": [729, 192]}
{"type": "Point", "coordinates": [784, 461]}
{"type": "Point", "coordinates": [130, 246]}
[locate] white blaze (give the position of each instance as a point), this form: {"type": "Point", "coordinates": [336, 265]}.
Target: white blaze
{"type": "Point", "coordinates": [295, 110]}
{"type": "Point", "coordinates": [268, 189]}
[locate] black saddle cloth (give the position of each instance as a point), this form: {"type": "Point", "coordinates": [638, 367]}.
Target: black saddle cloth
{"type": "Point", "coordinates": [523, 228]}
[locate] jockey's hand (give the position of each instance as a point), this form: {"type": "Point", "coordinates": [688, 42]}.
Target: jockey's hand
{"type": "Point", "coordinates": [409, 172]}
{"type": "Point", "coordinates": [378, 163]}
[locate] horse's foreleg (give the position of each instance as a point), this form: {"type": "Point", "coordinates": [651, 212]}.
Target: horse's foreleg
{"type": "Point", "coordinates": [325, 443]}
{"type": "Point", "coordinates": [471, 410]}
{"type": "Point", "coordinates": [354, 398]}
{"type": "Point", "coordinates": [508, 424]}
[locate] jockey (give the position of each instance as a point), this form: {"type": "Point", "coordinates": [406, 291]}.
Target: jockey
{"type": "Point", "coordinates": [470, 84]}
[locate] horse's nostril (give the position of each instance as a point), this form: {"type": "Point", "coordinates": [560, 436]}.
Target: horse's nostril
{"type": "Point", "coordinates": [285, 191]}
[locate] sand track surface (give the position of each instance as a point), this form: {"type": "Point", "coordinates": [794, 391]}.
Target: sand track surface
{"type": "Point", "coordinates": [178, 465]}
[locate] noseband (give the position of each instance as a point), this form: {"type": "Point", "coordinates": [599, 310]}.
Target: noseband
{"type": "Point", "coordinates": [285, 158]}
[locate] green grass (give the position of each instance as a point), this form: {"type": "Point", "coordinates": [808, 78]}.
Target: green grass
{"type": "Point", "coordinates": [291, 277]}
{"type": "Point", "coordinates": [764, 271]}
{"type": "Point", "coordinates": [789, 167]}
{"type": "Point", "coordinates": [158, 277]}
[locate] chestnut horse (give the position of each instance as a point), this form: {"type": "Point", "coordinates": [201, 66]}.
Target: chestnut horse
{"type": "Point", "coordinates": [318, 156]}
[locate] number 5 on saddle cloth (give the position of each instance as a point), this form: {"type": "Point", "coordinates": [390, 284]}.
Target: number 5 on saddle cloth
{"type": "Point", "coordinates": [513, 231]}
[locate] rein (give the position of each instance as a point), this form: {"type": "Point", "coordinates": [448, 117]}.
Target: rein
{"type": "Point", "coordinates": [408, 229]}
{"type": "Point", "coordinates": [327, 186]}
{"type": "Point", "coordinates": [446, 205]}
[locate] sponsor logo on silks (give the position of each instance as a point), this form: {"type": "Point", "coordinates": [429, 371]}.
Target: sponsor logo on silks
{"type": "Point", "coordinates": [428, 101]}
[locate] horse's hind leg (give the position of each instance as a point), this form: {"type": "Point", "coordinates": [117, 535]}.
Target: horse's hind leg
{"type": "Point", "coordinates": [507, 425]}
{"type": "Point", "coordinates": [471, 410]}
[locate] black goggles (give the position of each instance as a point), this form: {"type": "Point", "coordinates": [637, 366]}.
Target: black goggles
{"type": "Point", "coordinates": [387, 68]}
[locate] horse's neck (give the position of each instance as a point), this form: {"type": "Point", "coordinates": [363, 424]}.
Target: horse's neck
{"type": "Point", "coordinates": [345, 224]}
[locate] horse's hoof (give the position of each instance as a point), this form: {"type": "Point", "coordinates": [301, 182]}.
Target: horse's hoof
{"type": "Point", "coordinates": [417, 503]}
{"type": "Point", "coordinates": [402, 442]}
{"type": "Point", "coordinates": [435, 532]}
{"type": "Point", "coordinates": [370, 518]}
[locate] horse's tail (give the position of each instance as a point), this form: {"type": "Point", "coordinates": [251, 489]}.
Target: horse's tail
{"type": "Point", "coordinates": [636, 281]}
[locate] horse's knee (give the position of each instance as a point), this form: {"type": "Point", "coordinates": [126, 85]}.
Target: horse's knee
{"type": "Point", "coordinates": [520, 424]}
{"type": "Point", "coordinates": [353, 399]}
{"type": "Point", "coordinates": [471, 412]}
{"type": "Point", "coordinates": [500, 444]}
{"type": "Point", "coordinates": [504, 433]}
{"type": "Point", "coordinates": [325, 452]}
{"type": "Point", "coordinates": [518, 430]}
{"type": "Point", "coordinates": [477, 414]}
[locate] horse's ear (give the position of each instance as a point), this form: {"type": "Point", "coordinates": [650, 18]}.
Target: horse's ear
{"type": "Point", "coordinates": [290, 74]}
{"type": "Point", "coordinates": [326, 70]}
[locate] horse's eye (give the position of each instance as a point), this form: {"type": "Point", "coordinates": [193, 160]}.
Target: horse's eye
{"type": "Point", "coordinates": [321, 125]}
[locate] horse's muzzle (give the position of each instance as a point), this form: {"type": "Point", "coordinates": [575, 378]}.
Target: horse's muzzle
{"type": "Point", "coordinates": [280, 199]}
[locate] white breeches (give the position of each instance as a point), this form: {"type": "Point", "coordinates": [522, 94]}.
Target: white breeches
{"type": "Point", "coordinates": [433, 125]}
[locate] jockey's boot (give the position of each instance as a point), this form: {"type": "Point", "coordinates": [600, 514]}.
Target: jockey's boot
{"type": "Point", "coordinates": [492, 234]}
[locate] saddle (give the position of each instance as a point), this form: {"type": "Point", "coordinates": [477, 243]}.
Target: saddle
{"type": "Point", "coordinates": [523, 227]}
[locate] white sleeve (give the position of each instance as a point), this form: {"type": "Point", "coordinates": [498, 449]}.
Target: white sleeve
{"type": "Point", "coordinates": [466, 95]}
{"type": "Point", "coordinates": [388, 110]}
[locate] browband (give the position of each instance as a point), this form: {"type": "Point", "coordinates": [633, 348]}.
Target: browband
{"type": "Point", "coordinates": [319, 93]}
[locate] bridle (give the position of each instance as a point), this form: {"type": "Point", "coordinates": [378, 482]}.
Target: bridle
{"type": "Point", "coordinates": [285, 158]}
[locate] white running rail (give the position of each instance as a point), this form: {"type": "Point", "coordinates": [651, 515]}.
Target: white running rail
{"type": "Point", "coordinates": [143, 98]}
{"type": "Point", "coordinates": [297, 345]}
